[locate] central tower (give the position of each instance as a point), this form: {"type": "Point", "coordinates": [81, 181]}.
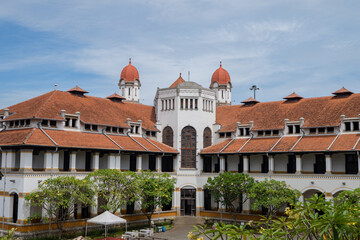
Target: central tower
{"type": "Point", "coordinates": [129, 83]}
{"type": "Point", "coordinates": [221, 83]}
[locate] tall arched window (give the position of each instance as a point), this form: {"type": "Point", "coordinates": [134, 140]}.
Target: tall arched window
{"type": "Point", "coordinates": [207, 137]}
{"type": "Point", "coordinates": [168, 136]}
{"type": "Point", "coordinates": [188, 147]}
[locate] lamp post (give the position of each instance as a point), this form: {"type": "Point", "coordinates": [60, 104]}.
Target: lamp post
{"type": "Point", "coordinates": [254, 88]}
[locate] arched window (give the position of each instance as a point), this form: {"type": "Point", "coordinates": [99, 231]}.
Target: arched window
{"type": "Point", "coordinates": [168, 136]}
{"type": "Point", "coordinates": [188, 147]}
{"type": "Point", "coordinates": [207, 137]}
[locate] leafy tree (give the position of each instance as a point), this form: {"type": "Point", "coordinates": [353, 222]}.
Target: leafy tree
{"type": "Point", "coordinates": [156, 190]}
{"type": "Point", "coordinates": [272, 195]}
{"type": "Point", "coordinates": [115, 187]}
{"type": "Point", "coordinates": [61, 197]}
{"type": "Point", "coordinates": [230, 188]}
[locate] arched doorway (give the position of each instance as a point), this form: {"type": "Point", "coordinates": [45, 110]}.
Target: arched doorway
{"type": "Point", "coordinates": [15, 207]}
{"type": "Point", "coordinates": [188, 147]}
{"type": "Point", "coordinates": [188, 201]}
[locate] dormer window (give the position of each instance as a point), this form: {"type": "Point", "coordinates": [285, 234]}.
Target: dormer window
{"type": "Point", "coordinates": [71, 121]}
{"type": "Point", "coordinates": [244, 131]}
{"type": "Point", "coordinates": [351, 126]}
{"type": "Point", "coordinates": [268, 133]}
{"type": "Point", "coordinates": [44, 123]}
{"type": "Point", "coordinates": [322, 130]}
{"type": "Point", "coordinates": [89, 127]}
{"type": "Point", "coordinates": [134, 129]}
{"type": "Point", "coordinates": [293, 129]}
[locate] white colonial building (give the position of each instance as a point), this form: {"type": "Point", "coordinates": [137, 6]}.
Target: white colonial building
{"type": "Point", "coordinates": [191, 132]}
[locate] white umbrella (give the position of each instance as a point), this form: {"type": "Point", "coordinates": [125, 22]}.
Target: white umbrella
{"type": "Point", "coordinates": [106, 218]}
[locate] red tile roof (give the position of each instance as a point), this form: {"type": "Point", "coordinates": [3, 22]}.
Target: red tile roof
{"type": "Point", "coordinates": [259, 145]}
{"type": "Point", "coordinates": [93, 110]}
{"type": "Point", "coordinates": [221, 76]}
{"type": "Point", "coordinates": [342, 91]}
{"type": "Point", "coordinates": [215, 148]}
{"type": "Point", "coordinates": [115, 96]}
{"type": "Point", "coordinates": [77, 89]}
{"type": "Point", "coordinates": [314, 143]}
{"type": "Point", "coordinates": [178, 81]}
{"type": "Point", "coordinates": [250, 100]}
{"type": "Point", "coordinates": [345, 142]}
{"type": "Point", "coordinates": [75, 139]}
{"type": "Point", "coordinates": [285, 144]}
{"type": "Point", "coordinates": [293, 96]}
{"type": "Point", "coordinates": [235, 145]}
{"type": "Point", "coordinates": [320, 111]}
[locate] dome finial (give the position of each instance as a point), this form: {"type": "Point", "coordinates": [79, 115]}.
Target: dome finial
{"type": "Point", "coordinates": [180, 74]}
{"type": "Point", "coordinates": [129, 60]}
{"type": "Point", "coordinates": [220, 64]}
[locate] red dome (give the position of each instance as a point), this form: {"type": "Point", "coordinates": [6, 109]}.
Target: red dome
{"type": "Point", "coordinates": [129, 73]}
{"type": "Point", "coordinates": [221, 76]}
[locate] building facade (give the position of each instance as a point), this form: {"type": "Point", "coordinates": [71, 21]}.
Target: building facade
{"type": "Point", "coordinates": [192, 132]}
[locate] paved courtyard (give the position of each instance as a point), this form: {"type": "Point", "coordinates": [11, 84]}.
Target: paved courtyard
{"type": "Point", "coordinates": [182, 227]}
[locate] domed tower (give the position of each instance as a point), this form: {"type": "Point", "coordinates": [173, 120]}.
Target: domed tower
{"type": "Point", "coordinates": [129, 83]}
{"type": "Point", "coordinates": [220, 81]}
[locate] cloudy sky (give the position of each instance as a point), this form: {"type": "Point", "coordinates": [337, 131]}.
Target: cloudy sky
{"type": "Point", "coordinates": [311, 47]}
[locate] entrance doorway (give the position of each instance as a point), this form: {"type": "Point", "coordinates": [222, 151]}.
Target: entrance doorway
{"type": "Point", "coordinates": [188, 202]}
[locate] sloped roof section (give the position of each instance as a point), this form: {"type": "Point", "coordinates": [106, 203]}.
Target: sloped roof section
{"type": "Point", "coordinates": [178, 81]}
{"type": "Point", "coordinates": [320, 111]}
{"type": "Point", "coordinates": [342, 91]}
{"type": "Point", "coordinates": [314, 143]}
{"type": "Point", "coordinates": [293, 96]}
{"type": "Point", "coordinates": [93, 110]}
{"type": "Point", "coordinates": [82, 140]}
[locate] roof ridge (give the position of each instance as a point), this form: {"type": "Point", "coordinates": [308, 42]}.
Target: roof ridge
{"type": "Point", "coordinates": [28, 137]}
{"type": "Point", "coordinates": [44, 104]}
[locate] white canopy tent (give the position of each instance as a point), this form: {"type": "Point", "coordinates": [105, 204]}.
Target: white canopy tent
{"type": "Point", "coordinates": [106, 218]}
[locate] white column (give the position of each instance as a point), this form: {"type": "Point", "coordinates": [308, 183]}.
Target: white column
{"type": "Point", "coordinates": [138, 163]}
{"type": "Point", "coordinates": [358, 164]}
{"type": "Point", "coordinates": [26, 157]}
{"type": "Point", "coordinates": [10, 161]}
{"type": "Point", "coordinates": [222, 163]}
{"type": "Point", "coordinates": [199, 201]}
{"type": "Point", "coordinates": [94, 208]}
{"type": "Point", "coordinates": [23, 210]}
{"type": "Point", "coordinates": [158, 163]}
{"type": "Point", "coordinates": [246, 163]}
{"type": "Point", "coordinates": [328, 163]}
{"type": "Point", "coordinates": [301, 198]}
{"type": "Point", "coordinates": [51, 159]}
{"type": "Point", "coordinates": [246, 206]}
{"type": "Point", "coordinates": [271, 164]}
{"type": "Point", "coordinates": [72, 161]}
{"type": "Point", "coordinates": [95, 161]}
{"type": "Point", "coordinates": [111, 161]}
{"type": "Point", "coordinates": [298, 164]}
{"type": "Point", "coordinates": [200, 164]}
{"type": "Point", "coordinates": [328, 196]}
{"type": "Point", "coordinates": [118, 161]}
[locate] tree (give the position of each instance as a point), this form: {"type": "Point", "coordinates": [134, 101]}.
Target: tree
{"type": "Point", "coordinates": [61, 197]}
{"type": "Point", "coordinates": [230, 188]}
{"type": "Point", "coordinates": [156, 190]}
{"type": "Point", "coordinates": [115, 187]}
{"type": "Point", "coordinates": [272, 195]}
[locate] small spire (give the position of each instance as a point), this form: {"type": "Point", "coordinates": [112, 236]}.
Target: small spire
{"type": "Point", "coordinates": [180, 74]}
{"type": "Point", "coordinates": [129, 60]}
{"type": "Point", "coordinates": [55, 86]}
{"type": "Point", "coordinates": [220, 64]}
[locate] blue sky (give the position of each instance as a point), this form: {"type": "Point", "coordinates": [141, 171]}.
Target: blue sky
{"type": "Point", "coordinates": [308, 46]}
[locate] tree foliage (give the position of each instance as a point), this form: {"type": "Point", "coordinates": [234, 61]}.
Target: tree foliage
{"type": "Point", "coordinates": [314, 219]}
{"type": "Point", "coordinates": [156, 190]}
{"type": "Point", "coordinates": [61, 197]}
{"type": "Point", "coordinates": [272, 195]}
{"type": "Point", "coordinates": [115, 187]}
{"type": "Point", "coordinates": [230, 188]}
